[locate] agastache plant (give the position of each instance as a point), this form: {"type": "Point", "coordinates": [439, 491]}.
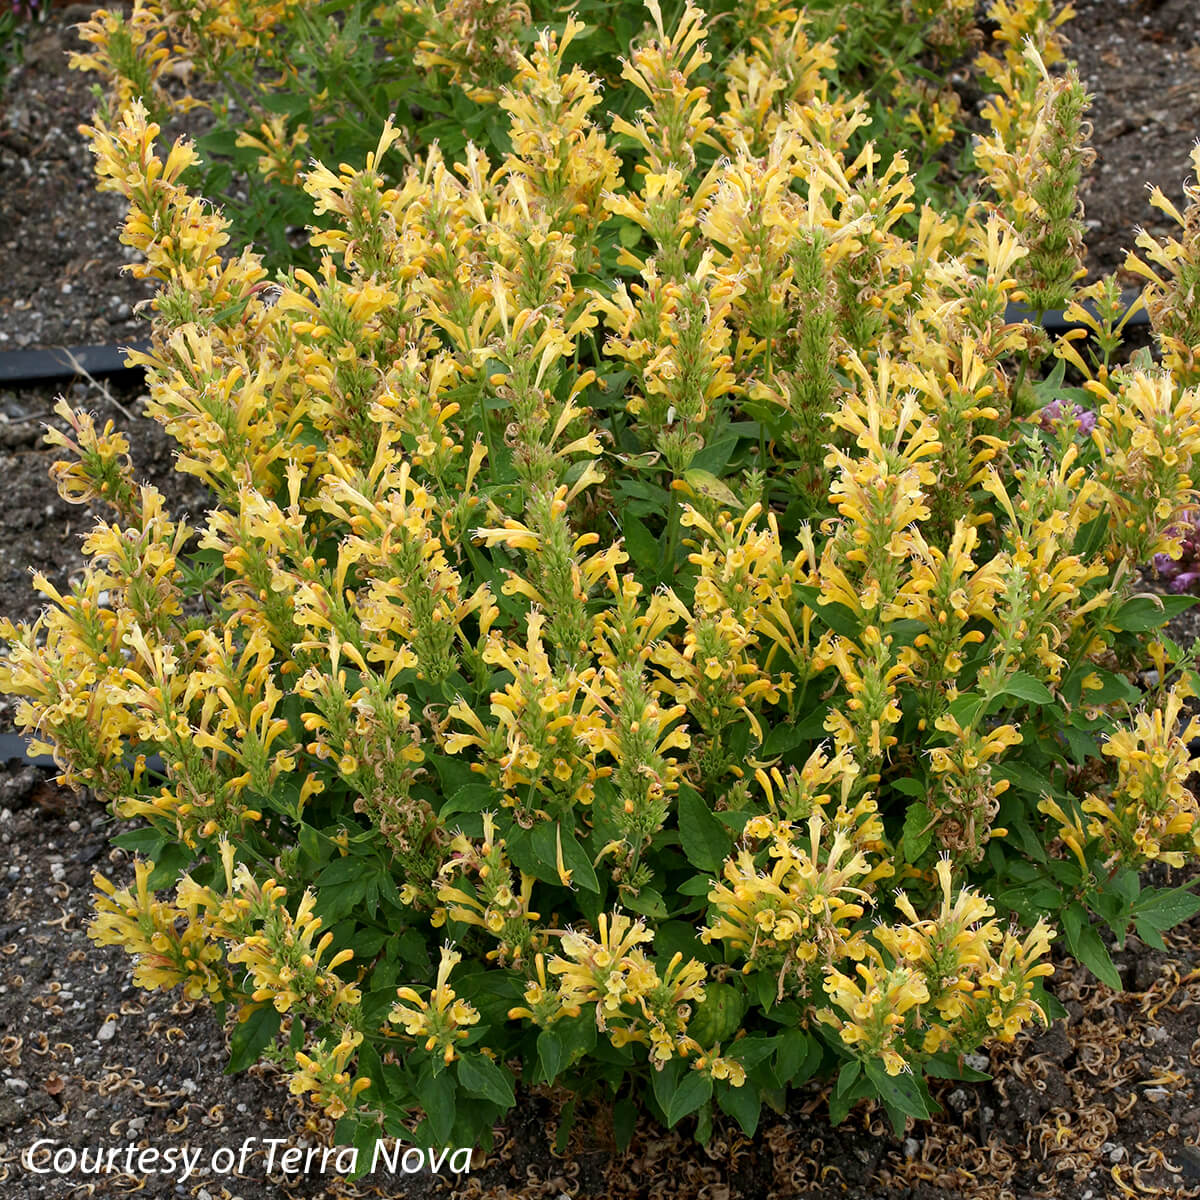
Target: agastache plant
{"type": "Point", "coordinates": [644, 652]}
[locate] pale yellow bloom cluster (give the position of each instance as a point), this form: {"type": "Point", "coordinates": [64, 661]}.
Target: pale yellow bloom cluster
{"type": "Point", "coordinates": [440, 1020]}
{"type": "Point", "coordinates": [539, 567]}
{"type": "Point", "coordinates": [1149, 814]}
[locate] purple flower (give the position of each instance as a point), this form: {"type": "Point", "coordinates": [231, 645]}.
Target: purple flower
{"type": "Point", "coordinates": [1054, 412]}
{"type": "Point", "coordinates": [1182, 574]}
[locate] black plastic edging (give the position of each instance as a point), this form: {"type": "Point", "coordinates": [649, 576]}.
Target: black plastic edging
{"type": "Point", "coordinates": [1055, 321]}
{"type": "Point", "coordinates": [14, 747]}
{"type": "Point", "coordinates": [21, 367]}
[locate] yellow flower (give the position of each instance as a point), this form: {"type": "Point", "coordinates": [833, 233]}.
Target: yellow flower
{"type": "Point", "coordinates": [442, 1019]}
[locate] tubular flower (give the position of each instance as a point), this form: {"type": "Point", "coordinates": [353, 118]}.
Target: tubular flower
{"type": "Point", "coordinates": [443, 1019]}
{"type": "Point", "coordinates": [874, 1009]}
{"type": "Point", "coordinates": [494, 903]}
{"type": "Point", "coordinates": [283, 962]}
{"type": "Point", "coordinates": [1148, 435]}
{"type": "Point", "coordinates": [951, 949]}
{"type": "Point", "coordinates": [171, 944]}
{"type": "Point", "coordinates": [793, 914]}
{"type": "Point", "coordinates": [1150, 814]}
{"type": "Point", "coordinates": [610, 971]}
{"type": "Point", "coordinates": [322, 1073]}
{"type": "Point", "coordinates": [1172, 268]}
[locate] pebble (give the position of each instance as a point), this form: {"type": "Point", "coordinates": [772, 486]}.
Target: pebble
{"type": "Point", "coordinates": [17, 1086]}
{"type": "Point", "coordinates": [977, 1062]}
{"type": "Point", "coordinates": [911, 1148]}
{"type": "Point", "coordinates": [1156, 1094]}
{"type": "Point", "coordinates": [107, 1031]}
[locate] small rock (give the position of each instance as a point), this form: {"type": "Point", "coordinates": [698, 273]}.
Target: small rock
{"type": "Point", "coordinates": [17, 1086]}
{"type": "Point", "coordinates": [1156, 1094]}
{"type": "Point", "coordinates": [977, 1062]}
{"type": "Point", "coordinates": [1189, 1159]}
{"type": "Point", "coordinates": [911, 1148]}
{"type": "Point", "coordinates": [107, 1031]}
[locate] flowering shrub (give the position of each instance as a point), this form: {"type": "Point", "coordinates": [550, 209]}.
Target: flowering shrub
{"type": "Point", "coordinates": [635, 644]}
{"type": "Point", "coordinates": [289, 81]}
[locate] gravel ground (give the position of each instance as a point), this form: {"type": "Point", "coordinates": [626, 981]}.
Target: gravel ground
{"type": "Point", "coordinates": [1103, 1104]}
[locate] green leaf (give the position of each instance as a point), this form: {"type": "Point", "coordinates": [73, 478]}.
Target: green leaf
{"type": "Point", "coordinates": [647, 903]}
{"type": "Point", "coordinates": [545, 842]}
{"type": "Point", "coordinates": [624, 1119]}
{"type": "Point", "coordinates": [1084, 944]}
{"type": "Point", "coordinates": [902, 1095]}
{"type": "Point", "coordinates": [918, 831]}
{"type": "Point", "coordinates": [706, 842]}
{"type": "Point", "coordinates": [577, 1035]}
{"type": "Point", "coordinates": [437, 1096]}
{"type": "Point", "coordinates": [1147, 612]}
{"type": "Point", "coordinates": [473, 797]}
{"type": "Point", "coordinates": [1163, 908]}
{"type": "Point", "coordinates": [715, 456]}
{"type": "Point", "coordinates": [949, 1066]}
{"type": "Point", "coordinates": [629, 234]}
{"type": "Point", "coordinates": [797, 1056]}
{"type": "Point", "coordinates": [743, 1104]}
{"type": "Point", "coordinates": [706, 484]}
{"type": "Point", "coordinates": [1113, 688]}
{"type": "Point", "coordinates": [645, 550]}
{"type": "Point", "coordinates": [1024, 777]}
{"type": "Point", "coordinates": [170, 864]}
{"type": "Point", "coordinates": [480, 1076]}
{"type": "Point", "coordinates": [147, 842]}
{"type": "Point", "coordinates": [693, 1090]}
{"type": "Point", "coordinates": [787, 736]}
{"type": "Point", "coordinates": [843, 1099]}
{"type": "Point", "coordinates": [1083, 746]}
{"type": "Point", "coordinates": [837, 616]}
{"type": "Point", "coordinates": [252, 1037]}
{"type": "Point", "coordinates": [1025, 687]}
{"type": "Point", "coordinates": [847, 1076]}
{"type": "Point", "coordinates": [551, 1054]}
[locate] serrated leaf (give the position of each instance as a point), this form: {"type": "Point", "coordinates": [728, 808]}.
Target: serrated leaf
{"type": "Point", "coordinates": [743, 1104]}
{"type": "Point", "coordinates": [1148, 612]}
{"type": "Point", "coordinates": [1025, 687]}
{"type": "Point", "coordinates": [918, 831]}
{"type": "Point", "coordinates": [624, 1119]}
{"type": "Point", "coordinates": [901, 1094]}
{"type": "Point", "coordinates": [1164, 909]}
{"type": "Point", "coordinates": [437, 1096]}
{"type": "Point", "coordinates": [551, 1054]}
{"type": "Point", "coordinates": [1085, 945]}
{"type": "Point", "coordinates": [694, 1089]}
{"type": "Point", "coordinates": [252, 1036]}
{"type": "Point", "coordinates": [480, 1076]}
{"type": "Point", "coordinates": [706, 842]}
{"type": "Point", "coordinates": [473, 797]}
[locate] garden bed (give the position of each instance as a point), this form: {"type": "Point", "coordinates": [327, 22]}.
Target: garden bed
{"type": "Point", "coordinates": [1103, 1103]}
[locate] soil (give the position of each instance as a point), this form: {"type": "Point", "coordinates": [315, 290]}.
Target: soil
{"type": "Point", "coordinates": [1105, 1103]}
